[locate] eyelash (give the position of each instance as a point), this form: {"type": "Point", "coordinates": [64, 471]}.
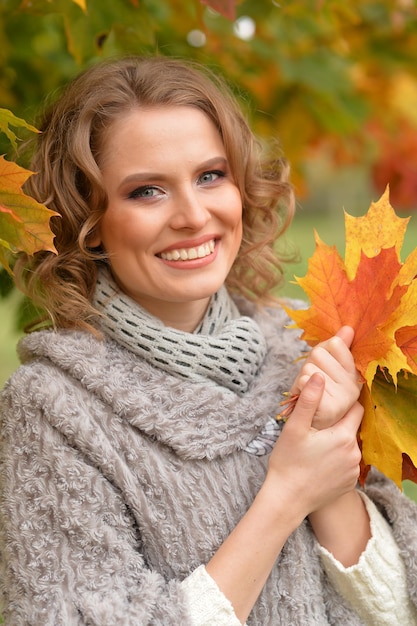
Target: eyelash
{"type": "Point", "coordinates": [136, 193]}
{"type": "Point", "coordinates": [219, 173]}
{"type": "Point", "coordinates": [140, 191]}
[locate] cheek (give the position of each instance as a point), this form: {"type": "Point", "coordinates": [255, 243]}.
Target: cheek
{"type": "Point", "coordinates": [117, 231]}
{"type": "Point", "coordinates": [235, 211]}
{"type": "Point", "coordinates": [238, 237]}
{"type": "Point", "coordinates": [238, 218]}
{"type": "Point", "coordinates": [235, 221]}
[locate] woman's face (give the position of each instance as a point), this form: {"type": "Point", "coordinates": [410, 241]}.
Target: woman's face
{"type": "Point", "coordinates": [173, 224]}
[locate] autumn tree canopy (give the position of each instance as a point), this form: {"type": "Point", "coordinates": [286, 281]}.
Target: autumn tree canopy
{"type": "Point", "coordinates": [316, 74]}
{"type": "Point", "coordinates": [309, 70]}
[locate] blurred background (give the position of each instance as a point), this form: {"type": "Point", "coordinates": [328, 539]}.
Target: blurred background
{"type": "Point", "coordinates": [334, 82]}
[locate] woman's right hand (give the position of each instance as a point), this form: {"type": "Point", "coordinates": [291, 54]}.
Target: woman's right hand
{"type": "Point", "coordinates": [315, 467]}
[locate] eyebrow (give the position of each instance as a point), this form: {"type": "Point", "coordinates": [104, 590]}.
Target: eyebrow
{"type": "Point", "coordinates": [144, 176]}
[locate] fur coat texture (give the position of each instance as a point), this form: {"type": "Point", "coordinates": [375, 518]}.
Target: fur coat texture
{"type": "Point", "coordinates": [119, 479]}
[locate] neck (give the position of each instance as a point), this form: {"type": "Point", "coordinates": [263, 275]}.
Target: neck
{"type": "Point", "coordinates": [225, 347]}
{"type": "Point", "coordinates": [184, 316]}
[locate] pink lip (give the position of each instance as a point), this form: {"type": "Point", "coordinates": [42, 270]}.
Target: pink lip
{"type": "Point", "coordinates": [190, 243]}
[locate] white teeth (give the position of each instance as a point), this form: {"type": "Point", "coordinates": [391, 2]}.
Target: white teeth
{"type": "Point", "coordinates": [187, 254]}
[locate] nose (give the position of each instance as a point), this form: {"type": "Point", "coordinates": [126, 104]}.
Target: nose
{"type": "Point", "coordinates": [189, 210]}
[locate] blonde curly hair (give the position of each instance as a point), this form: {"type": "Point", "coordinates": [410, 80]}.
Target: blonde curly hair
{"type": "Point", "coordinates": [69, 181]}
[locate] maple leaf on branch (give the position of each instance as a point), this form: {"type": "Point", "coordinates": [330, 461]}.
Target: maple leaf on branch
{"type": "Point", "coordinates": [375, 293]}
{"type": "Point", "coordinates": [24, 222]}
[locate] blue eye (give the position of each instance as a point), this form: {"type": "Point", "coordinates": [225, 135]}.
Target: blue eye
{"type": "Point", "coordinates": [143, 192]}
{"type": "Point", "coordinates": [210, 177]}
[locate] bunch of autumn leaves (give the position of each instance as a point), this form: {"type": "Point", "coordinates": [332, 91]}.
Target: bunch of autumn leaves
{"type": "Point", "coordinates": [376, 294]}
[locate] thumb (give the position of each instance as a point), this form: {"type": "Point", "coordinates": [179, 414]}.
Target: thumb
{"type": "Point", "coordinates": [346, 333]}
{"type": "Point", "coordinates": [309, 400]}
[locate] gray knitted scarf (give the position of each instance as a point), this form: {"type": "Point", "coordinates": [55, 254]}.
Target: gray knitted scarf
{"type": "Point", "coordinates": [226, 348]}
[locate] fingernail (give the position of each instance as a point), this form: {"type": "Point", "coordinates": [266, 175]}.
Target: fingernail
{"type": "Point", "coordinates": [316, 380]}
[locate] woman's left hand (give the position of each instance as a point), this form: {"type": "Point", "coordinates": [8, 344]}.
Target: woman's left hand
{"type": "Point", "coordinates": [334, 360]}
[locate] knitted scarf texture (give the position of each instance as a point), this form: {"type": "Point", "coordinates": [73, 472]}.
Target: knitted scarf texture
{"type": "Point", "coordinates": [226, 348]}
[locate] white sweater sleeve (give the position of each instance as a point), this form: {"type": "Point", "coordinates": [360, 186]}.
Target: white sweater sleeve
{"type": "Point", "coordinates": [376, 586]}
{"type": "Point", "coordinates": [207, 605]}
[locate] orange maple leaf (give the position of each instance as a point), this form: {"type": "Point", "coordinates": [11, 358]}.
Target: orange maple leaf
{"type": "Point", "coordinates": [406, 339]}
{"type": "Point", "coordinates": [376, 294]}
{"type": "Point", "coordinates": [24, 222]}
{"type": "Point", "coordinates": [366, 303]}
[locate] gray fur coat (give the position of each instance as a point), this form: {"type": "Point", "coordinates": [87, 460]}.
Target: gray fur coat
{"type": "Point", "coordinates": [118, 480]}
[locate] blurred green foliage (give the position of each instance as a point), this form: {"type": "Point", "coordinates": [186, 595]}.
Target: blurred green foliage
{"type": "Point", "coordinates": [312, 72]}
{"type": "Point", "coordinates": [322, 76]}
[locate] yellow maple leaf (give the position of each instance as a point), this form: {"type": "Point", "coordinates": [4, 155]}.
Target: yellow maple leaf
{"type": "Point", "coordinates": [8, 120]}
{"type": "Point", "coordinates": [379, 228]}
{"type": "Point", "coordinates": [388, 430]}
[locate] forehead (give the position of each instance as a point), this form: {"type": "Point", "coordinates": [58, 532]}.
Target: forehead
{"type": "Point", "coordinates": [162, 119]}
{"type": "Point", "coordinates": [160, 128]}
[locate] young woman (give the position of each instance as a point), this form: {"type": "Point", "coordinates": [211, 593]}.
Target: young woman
{"type": "Point", "coordinates": [144, 478]}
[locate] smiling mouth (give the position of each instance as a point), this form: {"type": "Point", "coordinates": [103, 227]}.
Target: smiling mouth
{"type": "Point", "coordinates": [188, 254]}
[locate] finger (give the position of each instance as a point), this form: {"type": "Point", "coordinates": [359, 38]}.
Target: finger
{"type": "Point", "coordinates": [334, 357]}
{"type": "Point", "coordinates": [353, 418]}
{"type": "Point", "coordinates": [309, 400]}
{"type": "Point", "coordinates": [346, 333]}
